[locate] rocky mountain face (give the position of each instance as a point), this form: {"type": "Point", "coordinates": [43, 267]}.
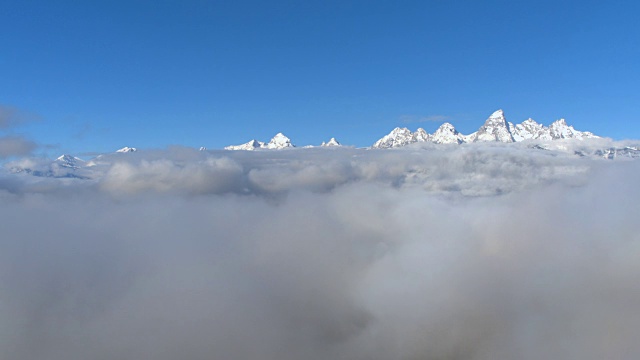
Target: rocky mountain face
{"type": "Point", "coordinates": [447, 134]}
{"type": "Point", "coordinates": [397, 137]}
{"type": "Point", "coordinates": [494, 129]}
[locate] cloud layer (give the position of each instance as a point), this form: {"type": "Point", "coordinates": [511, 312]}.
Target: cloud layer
{"type": "Point", "coordinates": [11, 145]}
{"type": "Point", "coordinates": [15, 146]}
{"type": "Point", "coordinates": [418, 253]}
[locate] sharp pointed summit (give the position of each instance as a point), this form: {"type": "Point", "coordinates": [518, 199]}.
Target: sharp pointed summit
{"type": "Point", "coordinates": [280, 141]}
{"type": "Point", "coordinates": [447, 134]}
{"type": "Point", "coordinates": [495, 128]}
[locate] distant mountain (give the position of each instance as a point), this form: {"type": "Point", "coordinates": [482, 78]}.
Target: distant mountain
{"type": "Point", "coordinates": [280, 141]}
{"type": "Point", "coordinates": [251, 145]}
{"type": "Point", "coordinates": [331, 142]}
{"type": "Point", "coordinates": [447, 134]}
{"type": "Point", "coordinates": [550, 139]}
{"type": "Point", "coordinates": [126, 149]}
{"type": "Point", "coordinates": [397, 137]}
{"type": "Point", "coordinates": [69, 161]}
{"type": "Point", "coordinates": [495, 129]}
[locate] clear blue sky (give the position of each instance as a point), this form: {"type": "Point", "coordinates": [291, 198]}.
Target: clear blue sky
{"type": "Point", "coordinates": [100, 75]}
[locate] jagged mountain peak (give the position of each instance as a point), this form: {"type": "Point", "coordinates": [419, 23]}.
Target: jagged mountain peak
{"type": "Point", "coordinates": [446, 127]}
{"type": "Point", "coordinates": [498, 115]}
{"type": "Point", "coordinates": [559, 122]}
{"type": "Point", "coordinates": [279, 141]}
{"type": "Point", "coordinates": [250, 145]}
{"type": "Point", "coordinates": [66, 157]}
{"type": "Point", "coordinates": [531, 122]}
{"type": "Point", "coordinates": [397, 137]}
{"type": "Point", "coordinates": [127, 149]}
{"type": "Point", "coordinates": [528, 129]}
{"type": "Point", "coordinates": [420, 135]}
{"type": "Point", "coordinates": [331, 142]}
{"type": "Point", "coordinates": [69, 161]}
{"type": "Point", "coordinates": [495, 128]}
{"type": "Point", "coordinates": [560, 130]}
{"type": "Point", "coordinates": [447, 134]}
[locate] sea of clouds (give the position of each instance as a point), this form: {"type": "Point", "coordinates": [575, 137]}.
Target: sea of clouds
{"type": "Point", "coordinates": [493, 251]}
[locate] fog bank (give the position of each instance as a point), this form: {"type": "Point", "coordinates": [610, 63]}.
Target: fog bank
{"type": "Point", "coordinates": [420, 253]}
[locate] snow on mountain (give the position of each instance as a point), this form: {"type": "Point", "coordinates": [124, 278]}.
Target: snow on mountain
{"type": "Point", "coordinates": [630, 152]}
{"type": "Point", "coordinates": [560, 130]}
{"type": "Point", "coordinates": [397, 137]}
{"type": "Point", "coordinates": [495, 128]}
{"type": "Point", "coordinates": [251, 145]}
{"type": "Point", "coordinates": [69, 161]}
{"type": "Point", "coordinates": [65, 166]}
{"type": "Point", "coordinates": [126, 149]}
{"type": "Point", "coordinates": [420, 135]}
{"type": "Point", "coordinates": [528, 129]}
{"type": "Point", "coordinates": [331, 142]}
{"type": "Point", "coordinates": [280, 141]}
{"type": "Point", "coordinates": [447, 134]}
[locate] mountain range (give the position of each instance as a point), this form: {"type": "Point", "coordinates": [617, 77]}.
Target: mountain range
{"type": "Point", "coordinates": [495, 128]}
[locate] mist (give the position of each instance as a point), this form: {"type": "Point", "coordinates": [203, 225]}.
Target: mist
{"type": "Point", "coordinates": [425, 252]}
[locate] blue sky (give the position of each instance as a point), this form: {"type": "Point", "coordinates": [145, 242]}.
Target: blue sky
{"type": "Point", "coordinates": [97, 76]}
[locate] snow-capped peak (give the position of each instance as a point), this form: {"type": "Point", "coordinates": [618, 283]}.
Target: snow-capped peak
{"type": "Point", "coordinates": [560, 122]}
{"type": "Point", "coordinates": [447, 134]}
{"type": "Point", "coordinates": [495, 128]}
{"type": "Point", "coordinates": [497, 115]}
{"type": "Point", "coordinates": [70, 161]}
{"type": "Point", "coordinates": [331, 142]}
{"type": "Point", "coordinates": [528, 129]}
{"type": "Point", "coordinates": [251, 145]}
{"type": "Point", "coordinates": [397, 137]}
{"type": "Point", "coordinates": [280, 141]}
{"type": "Point", "coordinates": [127, 149]}
{"type": "Point", "coordinates": [420, 135]}
{"type": "Point", "coordinates": [560, 130]}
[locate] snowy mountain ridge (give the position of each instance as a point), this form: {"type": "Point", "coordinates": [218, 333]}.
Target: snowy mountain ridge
{"type": "Point", "coordinates": [495, 129]}
{"type": "Point", "coordinates": [279, 141]}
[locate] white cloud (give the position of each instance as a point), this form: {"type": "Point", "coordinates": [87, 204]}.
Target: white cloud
{"type": "Point", "coordinates": [471, 252]}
